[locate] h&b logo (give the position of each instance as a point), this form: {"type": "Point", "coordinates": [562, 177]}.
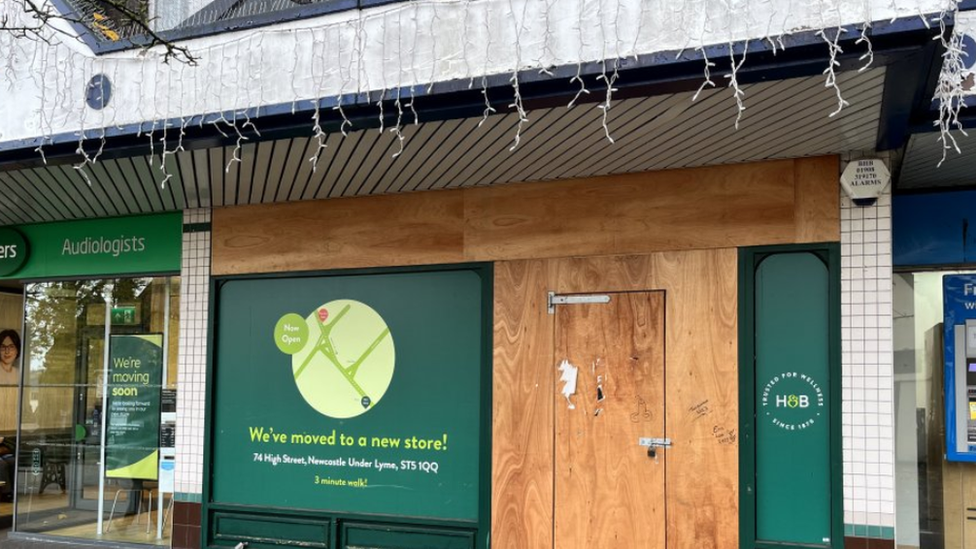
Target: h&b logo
{"type": "Point", "coordinates": [792, 401]}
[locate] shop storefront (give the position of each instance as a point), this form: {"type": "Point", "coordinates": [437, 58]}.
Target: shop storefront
{"type": "Point", "coordinates": [557, 364]}
{"type": "Point", "coordinates": [935, 374]}
{"type": "Point", "coordinates": [93, 421]}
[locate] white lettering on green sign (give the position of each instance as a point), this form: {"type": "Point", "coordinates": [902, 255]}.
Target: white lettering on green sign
{"type": "Point", "coordinates": [98, 246]}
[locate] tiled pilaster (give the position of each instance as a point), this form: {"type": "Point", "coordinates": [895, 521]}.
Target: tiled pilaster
{"type": "Point", "coordinates": [868, 369]}
{"type": "Point", "coordinates": [192, 376]}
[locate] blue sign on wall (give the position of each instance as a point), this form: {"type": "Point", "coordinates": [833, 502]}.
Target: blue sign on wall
{"type": "Point", "coordinates": [959, 301]}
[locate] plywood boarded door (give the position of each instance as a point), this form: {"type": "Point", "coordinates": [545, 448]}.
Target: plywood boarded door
{"type": "Point", "coordinates": [609, 493]}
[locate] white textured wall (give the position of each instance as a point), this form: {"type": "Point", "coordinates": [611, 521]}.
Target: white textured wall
{"type": "Point", "coordinates": [404, 44]}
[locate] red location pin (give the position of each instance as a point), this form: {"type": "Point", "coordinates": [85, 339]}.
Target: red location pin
{"type": "Point", "coordinates": [323, 314]}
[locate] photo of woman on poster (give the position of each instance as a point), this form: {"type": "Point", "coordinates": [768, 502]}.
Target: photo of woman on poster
{"type": "Point", "coordinates": [9, 357]}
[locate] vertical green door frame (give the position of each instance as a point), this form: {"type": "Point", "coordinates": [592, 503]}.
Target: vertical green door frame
{"type": "Point", "coordinates": [749, 260]}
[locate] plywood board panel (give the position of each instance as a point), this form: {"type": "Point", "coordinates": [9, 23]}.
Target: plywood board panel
{"type": "Point", "coordinates": [765, 203]}
{"type": "Point", "coordinates": [522, 420]}
{"type": "Point", "coordinates": [817, 200]}
{"type": "Point", "coordinates": [639, 213]}
{"type": "Point", "coordinates": [701, 378]}
{"type": "Point", "coordinates": [342, 233]}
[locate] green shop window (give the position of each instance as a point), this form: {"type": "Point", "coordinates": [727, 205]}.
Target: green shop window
{"type": "Point", "coordinates": [790, 463]}
{"type": "Point", "coordinates": [350, 409]}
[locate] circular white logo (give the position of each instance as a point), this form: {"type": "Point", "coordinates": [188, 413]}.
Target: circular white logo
{"type": "Point", "coordinates": [792, 401]}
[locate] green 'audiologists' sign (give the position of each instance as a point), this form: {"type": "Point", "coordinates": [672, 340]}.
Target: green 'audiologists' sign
{"type": "Point", "coordinates": [132, 424]}
{"type": "Point", "coordinates": [353, 394]}
{"type": "Point", "coordinates": [147, 244]}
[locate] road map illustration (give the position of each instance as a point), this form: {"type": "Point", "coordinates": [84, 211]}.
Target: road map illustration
{"type": "Point", "coordinates": [343, 356]}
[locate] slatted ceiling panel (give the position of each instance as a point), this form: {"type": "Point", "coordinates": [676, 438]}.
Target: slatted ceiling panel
{"type": "Point", "coordinates": [678, 124]}
{"type": "Point", "coordinates": [303, 168]}
{"type": "Point", "coordinates": [77, 204]}
{"type": "Point", "coordinates": [138, 191]}
{"type": "Point", "coordinates": [631, 136]}
{"type": "Point", "coordinates": [243, 191]}
{"type": "Point", "coordinates": [273, 180]}
{"type": "Point", "coordinates": [566, 122]}
{"type": "Point", "coordinates": [59, 204]}
{"type": "Point", "coordinates": [494, 143]}
{"type": "Point", "coordinates": [47, 199]}
{"type": "Point", "coordinates": [21, 208]}
{"type": "Point", "coordinates": [259, 175]}
{"type": "Point", "coordinates": [331, 184]}
{"type": "Point", "coordinates": [100, 182]}
{"type": "Point", "coordinates": [819, 137]}
{"type": "Point", "coordinates": [380, 176]}
{"type": "Point", "coordinates": [54, 175]}
{"type": "Point", "coordinates": [921, 167]}
{"type": "Point", "coordinates": [157, 194]}
{"type": "Point", "coordinates": [419, 156]}
{"type": "Point", "coordinates": [669, 137]}
{"type": "Point", "coordinates": [806, 120]}
{"type": "Point", "coordinates": [216, 164]}
{"type": "Point", "coordinates": [580, 141]}
{"type": "Point", "coordinates": [460, 152]}
{"type": "Point", "coordinates": [371, 140]}
{"type": "Point", "coordinates": [150, 189]}
{"type": "Point", "coordinates": [442, 153]}
{"type": "Point", "coordinates": [283, 178]}
{"type": "Point", "coordinates": [850, 139]}
{"type": "Point", "coordinates": [637, 141]}
{"type": "Point", "coordinates": [473, 148]}
{"type": "Point", "coordinates": [446, 142]}
{"type": "Point", "coordinates": [174, 188]}
{"type": "Point", "coordinates": [133, 197]}
{"type": "Point", "coordinates": [384, 146]}
{"type": "Point", "coordinates": [762, 108]}
{"type": "Point", "coordinates": [325, 156]}
{"type": "Point", "coordinates": [812, 120]}
{"type": "Point", "coordinates": [73, 178]}
{"type": "Point", "coordinates": [32, 199]}
{"type": "Point", "coordinates": [389, 172]}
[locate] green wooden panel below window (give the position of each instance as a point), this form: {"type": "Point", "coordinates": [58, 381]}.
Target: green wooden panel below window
{"type": "Point", "coordinates": [260, 532]}
{"type": "Point", "coordinates": [378, 536]}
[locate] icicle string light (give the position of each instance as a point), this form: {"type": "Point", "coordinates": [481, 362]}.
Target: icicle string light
{"type": "Point", "coordinates": [341, 61]}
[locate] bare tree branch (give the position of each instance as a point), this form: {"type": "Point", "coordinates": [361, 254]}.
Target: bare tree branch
{"type": "Point", "coordinates": [38, 22]}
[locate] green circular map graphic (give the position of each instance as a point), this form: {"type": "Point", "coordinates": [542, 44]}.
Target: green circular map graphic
{"type": "Point", "coordinates": [347, 363]}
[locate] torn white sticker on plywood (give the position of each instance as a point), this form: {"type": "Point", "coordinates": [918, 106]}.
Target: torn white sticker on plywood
{"type": "Point", "coordinates": [568, 377]}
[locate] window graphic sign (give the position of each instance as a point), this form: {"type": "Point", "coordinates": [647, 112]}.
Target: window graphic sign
{"type": "Point", "coordinates": [132, 428]}
{"type": "Point", "coordinates": [352, 394]}
{"type": "Point", "coordinates": [343, 361]}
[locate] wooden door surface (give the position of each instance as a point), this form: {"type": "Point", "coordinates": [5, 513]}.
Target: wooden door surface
{"type": "Point", "coordinates": [609, 492]}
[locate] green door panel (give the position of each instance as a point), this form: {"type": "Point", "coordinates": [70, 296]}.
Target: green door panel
{"type": "Point", "coordinates": [792, 400]}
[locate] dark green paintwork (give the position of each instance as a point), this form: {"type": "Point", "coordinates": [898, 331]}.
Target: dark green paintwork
{"type": "Point", "coordinates": [262, 532]}
{"type": "Point", "coordinates": [403, 297]}
{"type": "Point", "coordinates": [792, 415]}
{"type": "Point", "coordinates": [776, 508]}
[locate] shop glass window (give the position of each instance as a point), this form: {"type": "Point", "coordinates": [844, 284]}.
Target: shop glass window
{"type": "Point", "coordinates": [98, 409]}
